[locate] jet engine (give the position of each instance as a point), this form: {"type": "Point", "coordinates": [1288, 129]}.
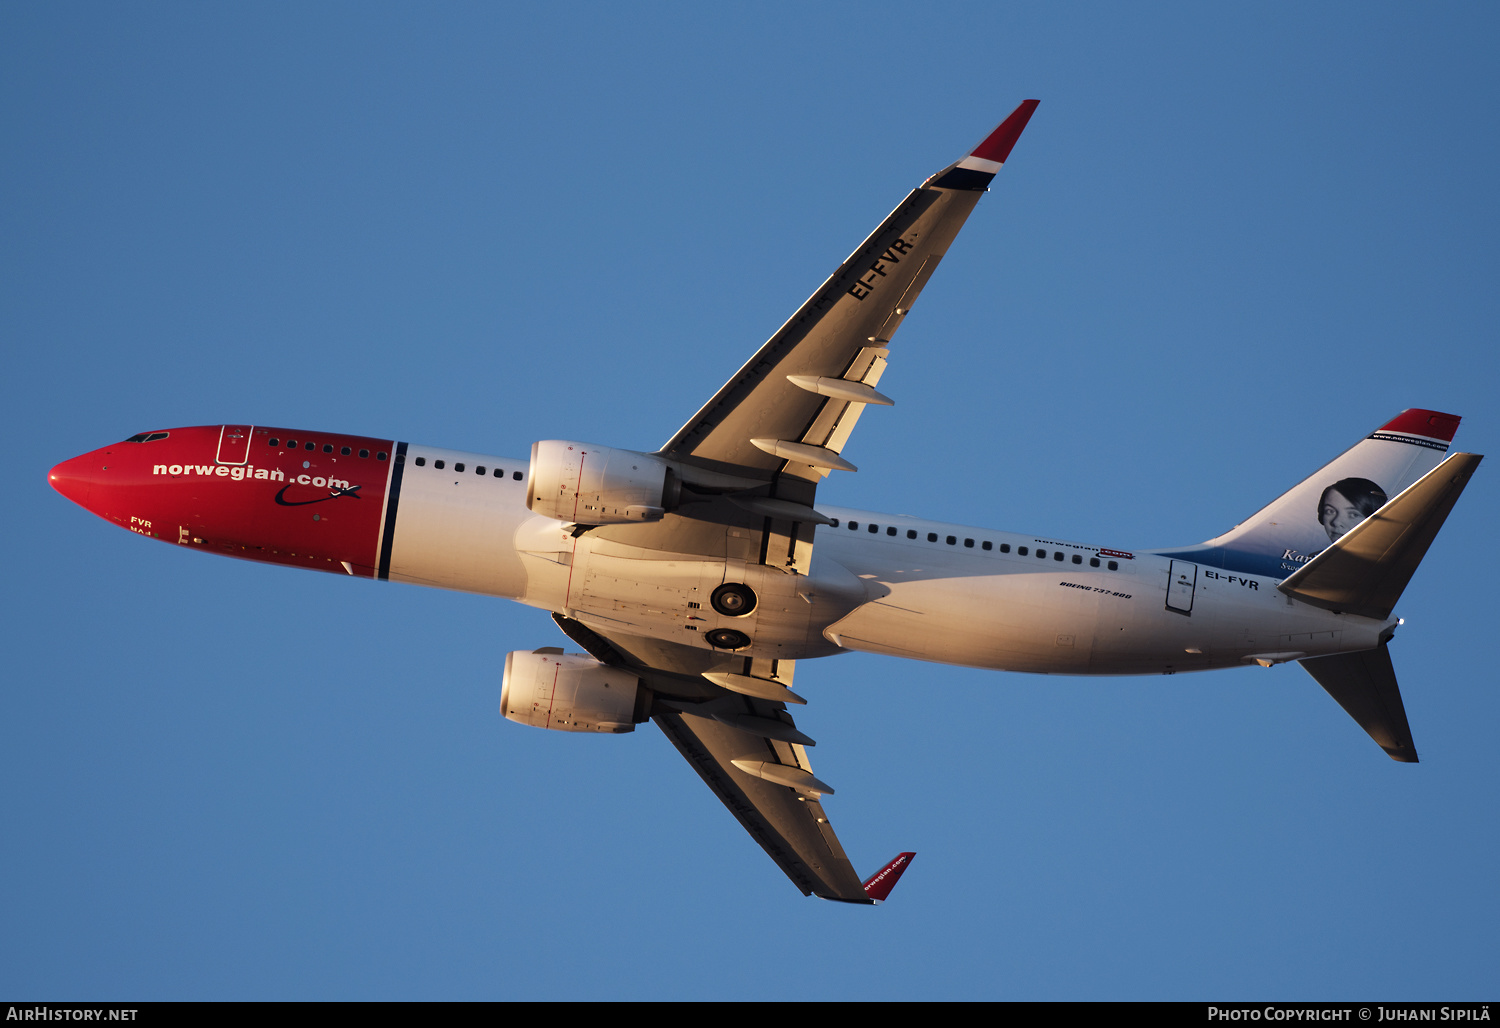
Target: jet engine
{"type": "Point", "coordinates": [572, 693]}
{"type": "Point", "coordinates": [598, 485]}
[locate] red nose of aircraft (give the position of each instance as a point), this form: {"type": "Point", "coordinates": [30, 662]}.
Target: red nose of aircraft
{"type": "Point", "coordinates": [76, 478]}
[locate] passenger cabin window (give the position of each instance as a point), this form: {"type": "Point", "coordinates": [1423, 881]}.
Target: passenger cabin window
{"type": "Point", "coordinates": [1093, 562]}
{"type": "Point", "coordinates": [516, 475]}
{"type": "Point", "coordinates": [1005, 548]}
{"type": "Point", "coordinates": [891, 530]}
{"type": "Point", "coordinates": [309, 446]}
{"type": "Point", "coordinates": [291, 444]}
{"type": "Point", "coordinates": [1077, 559]}
{"type": "Point", "coordinates": [952, 539]}
{"type": "Point", "coordinates": [969, 543]}
{"type": "Point", "coordinates": [438, 464]}
{"type": "Point", "coordinates": [854, 526]}
{"type": "Point", "coordinates": [364, 453]}
{"type": "Point", "coordinates": [421, 462]}
{"type": "Point", "coordinates": [932, 537]}
{"type": "Point", "coordinates": [380, 455]}
{"type": "Point", "coordinates": [874, 529]}
{"type": "Point", "coordinates": [327, 447]}
{"type": "Point", "coordinates": [1057, 554]}
{"type": "Point", "coordinates": [499, 473]}
{"type": "Point", "coordinates": [986, 545]}
{"type": "Point", "coordinates": [911, 533]}
{"type": "Point", "coordinates": [1022, 551]}
{"type": "Point", "coordinates": [344, 451]}
{"type": "Point", "coordinates": [478, 469]}
{"type": "Point", "coordinates": [457, 467]}
{"type": "Point", "coordinates": [1114, 565]}
{"type": "Point", "coordinates": [1041, 554]}
{"type": "Point", "coordinates": [272, 442]}
{"type": "Point", "coordinates": [835, 523]}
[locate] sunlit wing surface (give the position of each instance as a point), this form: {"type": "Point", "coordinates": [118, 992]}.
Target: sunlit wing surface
{"type": "Point", "coordinates": [785, 418]}
{"type": "Point", "coordinates": [795, 402]}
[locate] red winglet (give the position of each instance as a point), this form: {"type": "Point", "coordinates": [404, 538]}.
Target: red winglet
{"type": "Point", "coordinates": [997, 145]}
{"type": "Point", "coordinates": [1429, 423]}
{"type": "Point", "coordinates": [879, 885]}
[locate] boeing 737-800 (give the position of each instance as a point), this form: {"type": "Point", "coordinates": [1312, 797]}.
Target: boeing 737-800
{"type": "Point", "coordinates": [696, 577]}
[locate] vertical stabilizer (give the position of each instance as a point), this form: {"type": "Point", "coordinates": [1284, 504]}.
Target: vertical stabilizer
{"type": "Point", "coordinates": [1366, 571]}
{"type": "Point", "coordinates": [1294, 528]}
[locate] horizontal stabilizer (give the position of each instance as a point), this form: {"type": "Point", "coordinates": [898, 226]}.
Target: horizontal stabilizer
{"type": "Point", "coordinates": [1364, 684]}
{"type": "Point", "coordinates": [1367, 569]}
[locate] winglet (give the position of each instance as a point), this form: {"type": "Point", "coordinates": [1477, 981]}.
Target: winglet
{"type": "Point", "coordinates": [879, 885]}
{"type": "Point", "coordinates": [976, 170]}
{"type": "Point", "coordinates": [997, 145]}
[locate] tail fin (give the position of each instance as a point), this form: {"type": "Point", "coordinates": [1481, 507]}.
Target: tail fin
{"type": "Point", "coordinates": [1294, 528]}
{"type": "Point", "coordinates": [1365, 571]}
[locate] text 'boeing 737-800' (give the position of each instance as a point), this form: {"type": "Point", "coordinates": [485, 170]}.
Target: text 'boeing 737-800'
{"type": "Point", "coordinates": [696, 577]}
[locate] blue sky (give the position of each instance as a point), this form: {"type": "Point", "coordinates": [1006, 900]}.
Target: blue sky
{"type": "Point", "coordinates": [1232, 241]}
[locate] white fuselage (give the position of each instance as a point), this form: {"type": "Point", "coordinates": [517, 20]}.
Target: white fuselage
{"type": "Point", "coordinates": [1021, 603]}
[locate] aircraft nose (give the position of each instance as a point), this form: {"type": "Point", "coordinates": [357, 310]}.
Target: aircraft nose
{"type": "Point", "coordinates": [76, 478]}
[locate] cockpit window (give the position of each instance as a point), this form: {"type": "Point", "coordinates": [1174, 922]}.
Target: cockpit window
{"type": "Point", "coordinates": [147, 437]}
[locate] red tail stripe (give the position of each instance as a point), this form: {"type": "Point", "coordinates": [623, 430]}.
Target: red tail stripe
{"type": "Point", "coordinates": [1429, 423]}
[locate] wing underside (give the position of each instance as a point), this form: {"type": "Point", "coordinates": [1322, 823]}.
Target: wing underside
{"type": "Point", "coordinates": [807, 385]}
{"type": "Point", "coordinates": [745, 747]}
{"type": "Point", "coordinates": [753, 457]}
{"type": "Point", "coordinates": [790, 826]}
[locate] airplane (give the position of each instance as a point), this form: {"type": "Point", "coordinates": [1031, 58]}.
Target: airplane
{"type": "Point", "coordinates": [696, 578]}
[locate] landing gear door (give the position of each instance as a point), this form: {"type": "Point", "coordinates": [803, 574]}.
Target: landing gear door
{"type": "Point", "coordinates": [1182, 581]}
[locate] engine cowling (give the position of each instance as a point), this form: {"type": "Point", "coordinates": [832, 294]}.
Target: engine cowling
{"type": "Point", "coordinates": [598, 485]}
{"type": "Point", "coordinates": [571, 693]}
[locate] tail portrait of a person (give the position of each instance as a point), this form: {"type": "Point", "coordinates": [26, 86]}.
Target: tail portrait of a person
{"type": "Point", "coordinates": [1346, 503]}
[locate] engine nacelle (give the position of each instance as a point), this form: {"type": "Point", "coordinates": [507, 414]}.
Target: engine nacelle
{"type": "Point", "coordinates": [571, 693]}
{"type": "Point", "coordinates": [598, 485]}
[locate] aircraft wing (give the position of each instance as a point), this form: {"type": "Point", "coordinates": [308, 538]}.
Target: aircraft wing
{"type": "Point", "coordinates": [746, 748]}
{"type": "Point", "coordinates": [790, 409]}
{"type": "Point", "coordinates": [783, 420]}
{"type": "Point", "coordinates": [787, 820]}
